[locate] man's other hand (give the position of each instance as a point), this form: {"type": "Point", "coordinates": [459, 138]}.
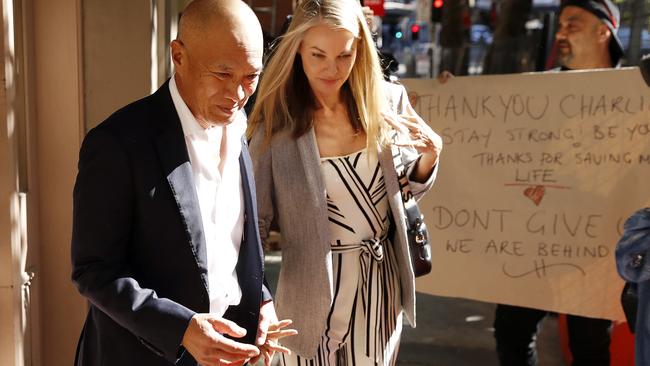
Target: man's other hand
{"type": "Point", "coordinates": [204, 340]}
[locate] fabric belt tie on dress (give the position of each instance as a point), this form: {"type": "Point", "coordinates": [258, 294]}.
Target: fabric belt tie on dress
{"type": "Point", "coordinates": [373, 247]}
{"type": "Point", "coordinates": [374, 275]}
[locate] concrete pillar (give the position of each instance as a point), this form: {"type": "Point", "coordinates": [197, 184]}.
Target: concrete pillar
{"type": "Point", "coordinates": [16, 257]}
{"type": "Point", "coordinates": [58, 131]}
{"type": "Point", "coordinates": [94, 56]}
{"type": "Point", "coordinates": [70, 64]}
{"type": "Point", "coordinates": [10, 327]}
{"type": "Point", "coordinates": [117, 55]}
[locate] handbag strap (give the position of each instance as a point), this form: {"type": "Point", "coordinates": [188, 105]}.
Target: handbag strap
{"type": "Point", "coordinates": [405, 189]}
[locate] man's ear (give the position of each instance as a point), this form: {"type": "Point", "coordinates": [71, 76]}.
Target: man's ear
{"type": "Point", "coordinates": [604, 34]}
{"type": "Point", "coordinates": [178, 53]}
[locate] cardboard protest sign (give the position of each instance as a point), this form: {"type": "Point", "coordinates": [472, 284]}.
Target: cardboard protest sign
{"type": "Point", "coordinates": [538, 174]}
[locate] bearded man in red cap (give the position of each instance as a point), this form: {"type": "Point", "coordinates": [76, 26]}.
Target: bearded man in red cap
{"type": "Point", "coordinates": [587, 35]}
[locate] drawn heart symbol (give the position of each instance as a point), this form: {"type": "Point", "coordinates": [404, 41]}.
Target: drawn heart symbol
{"type": "Point", "coordinates": [535, 194]}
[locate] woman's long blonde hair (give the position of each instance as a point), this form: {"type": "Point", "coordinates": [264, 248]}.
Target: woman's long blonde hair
{"type": "Point", "coordinates": [285, 101]}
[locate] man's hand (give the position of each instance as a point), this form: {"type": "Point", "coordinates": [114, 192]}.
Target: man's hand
{"type": "Point", "coordinates": [270, 330]}
{"type": "Point", "coordinates": [203, 339]}
{"type": "Point", "coordinates": [444, 77]}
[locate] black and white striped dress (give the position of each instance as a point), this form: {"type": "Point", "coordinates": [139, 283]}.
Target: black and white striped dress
{"type": "Point", "coordinates": [365, 321]}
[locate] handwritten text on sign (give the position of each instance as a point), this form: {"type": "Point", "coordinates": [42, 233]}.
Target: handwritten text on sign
{"type": "Point", "coordinates": [538, 174]}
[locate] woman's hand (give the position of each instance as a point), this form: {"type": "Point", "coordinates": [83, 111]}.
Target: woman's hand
{"type": "Point", "coordinates": [421, 137]}
{"type": "Point", "coordinates": [270, 331]}
{"type": "Point", "coordinates": [271, 345]}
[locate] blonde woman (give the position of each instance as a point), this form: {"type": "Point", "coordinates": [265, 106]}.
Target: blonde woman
{"type": "Point", "coordinates": [321, 141]}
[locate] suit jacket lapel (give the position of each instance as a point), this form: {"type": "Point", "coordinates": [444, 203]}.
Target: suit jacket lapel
{"type": "Point", "coordinates": [250, 244]}
{"type": "Point", "coordinates": [310, 157]}
{"type": "Point", "coordinates": [311, 162]}
{"type": "Point", "coordinates": [390, 179]}
{"type": "Point", "coordinates": [175, 161]}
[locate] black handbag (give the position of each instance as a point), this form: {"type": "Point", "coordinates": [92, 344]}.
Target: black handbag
{"type": "Point", "coordinates": [416, 230]}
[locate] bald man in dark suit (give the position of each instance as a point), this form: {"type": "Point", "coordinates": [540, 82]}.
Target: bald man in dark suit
{"type": "Point", "coordinates": [165, 242]}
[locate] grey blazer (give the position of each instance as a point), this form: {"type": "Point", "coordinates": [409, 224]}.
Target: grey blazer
{"type": "Point", "coordinates": [290, 185]}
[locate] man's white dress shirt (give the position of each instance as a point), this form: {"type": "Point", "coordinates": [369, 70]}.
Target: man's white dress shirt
{"type": "Point", "coordinates": [221, 199]}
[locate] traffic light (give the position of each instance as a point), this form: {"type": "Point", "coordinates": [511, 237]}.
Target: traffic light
{"type": "Point", "coordinates": [415, 32]}
{"type": "Point", "coordinates": [436, 10]}
{"type": "Point", "coordinates": [396, 31]}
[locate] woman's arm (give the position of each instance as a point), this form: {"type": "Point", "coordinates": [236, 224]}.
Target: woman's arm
{"type": "Point", "coordinates": [420, 145]}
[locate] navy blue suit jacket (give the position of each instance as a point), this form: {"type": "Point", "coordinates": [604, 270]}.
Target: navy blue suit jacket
{"type": "Point", "coordinates": [138, 248]}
